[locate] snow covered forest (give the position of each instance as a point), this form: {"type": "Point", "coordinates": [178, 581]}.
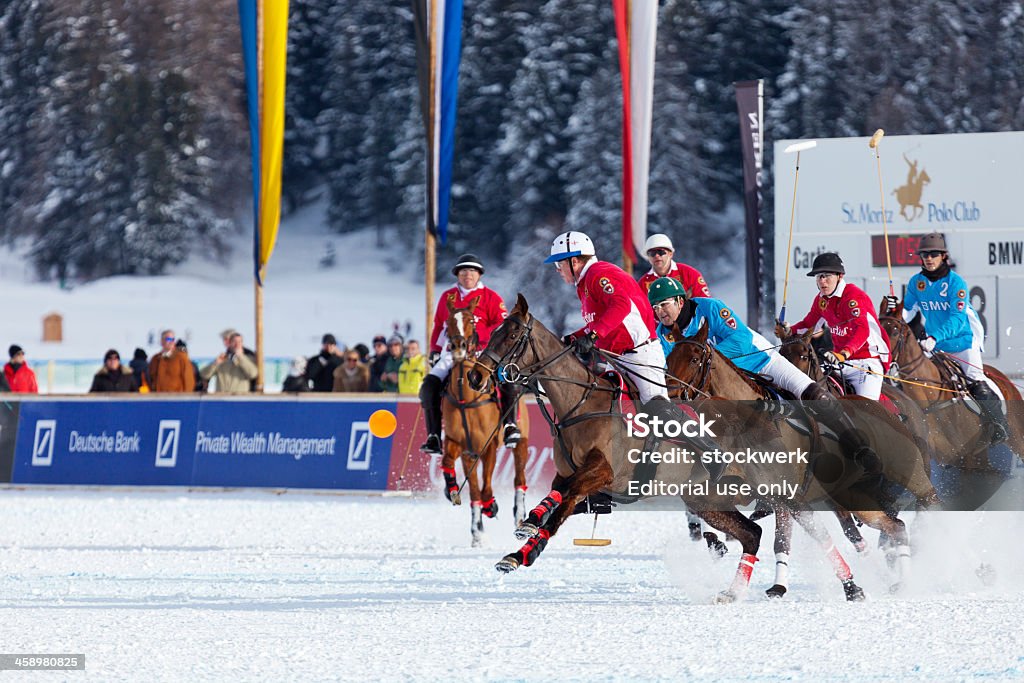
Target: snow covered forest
{"type": "Point", "coordinates": [124, 143]}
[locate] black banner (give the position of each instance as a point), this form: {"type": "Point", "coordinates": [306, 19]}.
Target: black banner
{"type": "Point", "coordinates": [749, 102]}
{"type": "Point", "coordinates": [8, 435]}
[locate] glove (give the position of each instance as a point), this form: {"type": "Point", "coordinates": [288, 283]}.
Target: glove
{"type": "Point", "coordinates": [835, 357]}
{"type": "Point", "coordinates": [928, 344]}
{"type": "Point", "coordinates": [890, 303]}
{"type": "Point", "coordinates": [585, 344]}
{"type": "Point", "coordinates": [782, 330]}
{"type": "Point", "coordinates": [433, 358]}
{"type": "Point", "coordinates": [568, 340]}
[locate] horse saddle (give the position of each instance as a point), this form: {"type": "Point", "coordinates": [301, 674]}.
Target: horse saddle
{"type": "Point", "coordinates": [952, 377]}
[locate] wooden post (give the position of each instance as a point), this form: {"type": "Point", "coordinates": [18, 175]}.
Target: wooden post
{"type": "Point", "coordinates": [429, 275]}
{"type": "Point", "coordinates": [259, 336]}
{"type": "Point", "coordinates": [627, 263]}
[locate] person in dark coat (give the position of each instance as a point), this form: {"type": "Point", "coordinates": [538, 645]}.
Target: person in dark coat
{"type": "Point", "coordinates": [378, 362]}
{"type": "Point", "coordinates": [113, 377]}
{"type": "Point", "coordinates": [320, 368]}
{"type": "Point", "coordinates": [296, 382]}
{"type": "Point", "coordinates": [140, 369]}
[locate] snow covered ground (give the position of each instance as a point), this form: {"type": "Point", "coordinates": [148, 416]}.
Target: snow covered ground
{"type": "Point", "coordinates": [172, 586]}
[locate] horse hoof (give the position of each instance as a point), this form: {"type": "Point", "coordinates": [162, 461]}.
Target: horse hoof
{"type": "Point", "coordinates": [776, 591]}
{"type": "Point", "coordinates": [896, 588]}
{"type": "Point", "coordinates": [478, 541]}
{"type": "Point", "coordinates": [491, 511]}
{"type": "Point", "coordinates": [453, 496]}
{"type": "Point", "coordinates": [526, 531]}
{"type": "Point", "coordinates": [507, 564]}
{"type": "Point", "coordinates": [854, 593]}
{"type": "Point", "coordinates": [725, 598]}
{"type": "Point", "coordinates": [695, 534]}
{"type": "Point", "coordinates": [987, 574]}
{"type": "Point", "coordinates": [716, 547]}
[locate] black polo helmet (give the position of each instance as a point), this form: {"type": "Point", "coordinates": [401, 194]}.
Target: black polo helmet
{"type": "Point", "coordinates": [467, 261]}
{"type": "Point", "coordinates": [829, 262]}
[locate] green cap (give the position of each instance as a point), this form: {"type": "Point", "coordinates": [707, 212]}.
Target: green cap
{"type": "Point", "coordinates": [665, 288]}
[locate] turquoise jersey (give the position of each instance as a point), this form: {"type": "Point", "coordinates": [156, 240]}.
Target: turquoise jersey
{"type": "Point", "coordinates": [726, 332]}
{"type": "Point", "coordinates": [946, 308]}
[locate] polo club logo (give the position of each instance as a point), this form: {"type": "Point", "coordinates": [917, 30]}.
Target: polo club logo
{"type": "Point", "coordinates": [909, 195]}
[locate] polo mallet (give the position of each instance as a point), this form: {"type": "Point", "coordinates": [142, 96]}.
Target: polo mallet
{"type": "Point", "coordinates": [873, 143]}
{"type": "Point", "coordinates": [592, 541]}
{"type": "Point", "coordinates": [795, 147]}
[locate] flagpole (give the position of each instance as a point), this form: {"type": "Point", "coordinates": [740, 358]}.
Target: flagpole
{"type": "Point", "coordinates": [259, 335]}
{"type": "Point", "coordinates": [430, 266]}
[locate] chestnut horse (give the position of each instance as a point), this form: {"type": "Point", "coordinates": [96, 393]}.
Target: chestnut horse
{"type": "Point", "coordinates": [591, 442]}
{"type": "Point", "coordinates": [957, 434]}
{"type": "Point", "coordinates": [694, 363]}
{"type": "Point", "coordinates": [472, 428]}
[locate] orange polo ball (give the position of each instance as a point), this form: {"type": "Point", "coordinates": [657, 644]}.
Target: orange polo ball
{"type": "Point", "coordinates": [383, 424]}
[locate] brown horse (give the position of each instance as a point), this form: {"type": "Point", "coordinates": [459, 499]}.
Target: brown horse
{"type": "Point", "coordinates": [472, 428]}
{"type": "Point", "coordinates": [591, 442]}
{"type": "Point", "coordinates": [958, 435]}
{"type": "Point", "coordinates": [694, 363]}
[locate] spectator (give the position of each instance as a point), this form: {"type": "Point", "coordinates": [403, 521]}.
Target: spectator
{"type": "Point", "coordinates": [233, 369]}
{"type": "Point", "coordinates": [363, 351]}
{"type": "Point", "coordinates": [225, 337]}
{"type": "Point", "coordinates": [379, 360]}
{"type": "Point", "coordinates": [18, 374]}
{"type": "Point", "coordinates": [413, 369]}
{"type": "Point", "coordinates": [352, 375]}
{"type": "Point", "coordinates": [4, 386]}
{"type": "Point", "coordinates": [201, 384]}
{"type": "Point", "coordinates": [320, 368]}
{"type": "Point", "coordinates": [296, 382]}
{"type": "Point", "coordinates": [170, 370]}
{"type": "Point", "coordinates": [389, 378]}
{"type": "Point", "coordinates": [140, 369]}
{"type": "Point", "coordinates": [113, 377]}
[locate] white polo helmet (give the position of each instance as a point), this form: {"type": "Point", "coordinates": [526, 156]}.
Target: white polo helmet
{"type": "Point", "coordinates": [658, 241]}
{"type": "Point", "coordinates": [570, 244]}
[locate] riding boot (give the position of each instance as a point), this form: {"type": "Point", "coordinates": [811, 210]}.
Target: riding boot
{"type": "Point", "coordinates": [430, 399]}
{"type": "Point", "coordinates": [826, 408]}
{"type": "Point", "coordinates": [508, 404]}
{"type": "Point", "coordinates": [666, 410]}
{"type": "Point", "coordinates": [992, 408]}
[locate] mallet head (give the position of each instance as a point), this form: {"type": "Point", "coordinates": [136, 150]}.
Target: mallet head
{"type": "Point", "coordinates": [876, 138]}
{"type": "Point", "coordinates": [800, 146]}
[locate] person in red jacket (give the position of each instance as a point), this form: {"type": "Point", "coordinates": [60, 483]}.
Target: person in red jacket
{"type": "Point", "coordinates": [490, 311]}
{"type": "Point", "coordinates": [861, 347]}
{"type": "Point", "coordinates": [659, 252]}
{"type": "Point", "coordinates": [618, 318]}
{"type": "Point", "coordinates": [18, 374]}
{"type": "Point", "coordinates": [860, 350]}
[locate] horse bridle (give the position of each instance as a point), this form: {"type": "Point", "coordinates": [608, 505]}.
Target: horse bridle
{"type": "Point", "coordinates": [704, 379]}
{"type": "Point", "coordinates": [505, 365]}
{"type": "Point", "coordinates": [897, 347]}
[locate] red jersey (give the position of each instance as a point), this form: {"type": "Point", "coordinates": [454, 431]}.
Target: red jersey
{"type": "Point", "coordinates": [693, 281]}
{"type": "Point", "coordinates": [22, 380]}
{"type": "Point", "coordinates": [850, 317]}
{"type": "Point", "coordinates": [614, 307]}
{"type": "Point", "coordinates": [488, 314]}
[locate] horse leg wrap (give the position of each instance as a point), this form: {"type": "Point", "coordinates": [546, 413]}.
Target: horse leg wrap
{"type": "Point", "coordinates": [451, 484]}
{"type": "Point", "coordinates": [839, 565]}
{"type": "Point", "coordinates": [529, 552]}
{"type": "Point", "coordinates": [741, 581]}
{"type": "Point", "coordinates": [490, 507]}
{"type": "Point", "coordinates": [540, 514]}
{"type": "Point", "coordinates": [519, 507]}
{"type": "Point", "coordinates": [782, 569]}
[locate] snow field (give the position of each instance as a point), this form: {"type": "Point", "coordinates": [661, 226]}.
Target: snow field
{"type": "Point", "coordinates": [165, 585]}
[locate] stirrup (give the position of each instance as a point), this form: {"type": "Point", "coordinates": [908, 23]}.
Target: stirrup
{"type": "Point", "coordinates": [432, 445]}
{"type": "Point", "coordinates": [511, 435]}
